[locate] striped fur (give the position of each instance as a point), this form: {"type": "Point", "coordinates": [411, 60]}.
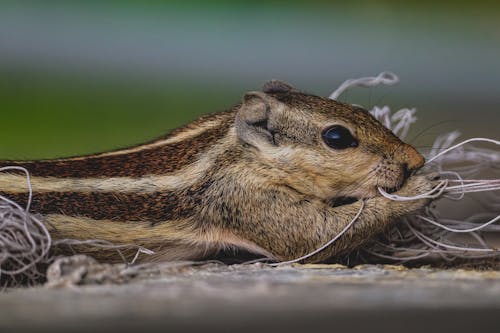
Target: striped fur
{"type": "Point", "coordinates": [158, 183]}
{"type": "Point", "coordinates": [256, 178]}
{"type": "Point", "coordinates": [165, 155]}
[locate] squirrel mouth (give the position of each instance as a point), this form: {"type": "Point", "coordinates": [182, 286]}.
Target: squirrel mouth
{"type": "Point", "coordinates": [347, 200]}
{"type": "Point", "coordinates": [341, 201]}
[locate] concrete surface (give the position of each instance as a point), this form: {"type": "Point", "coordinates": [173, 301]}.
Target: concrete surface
{"type": "Point", "coordinates": [259, 298]}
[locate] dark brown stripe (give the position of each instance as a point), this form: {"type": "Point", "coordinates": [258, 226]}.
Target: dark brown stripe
{"type": "Point", "coordinates": [159, 160]}
{"type": "Point", "coordinates": [151, 207]}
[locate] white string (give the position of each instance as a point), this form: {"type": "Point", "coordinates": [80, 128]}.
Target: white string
{"type": "Point", "coordinates": [450, 246]}
{"type": "Point", "coordinates": [139, 251]}
{"type": "Point", "coordinates": [404, 118]}
{"type": "Point", "coordinates": [479, 227]}
{"type": "Point", "coordinates": [432, 194]}
{"type": "Point", "coordinates": [28, 182]}
{"type": "Point", "coordinates": [386, 78]}
{"type": "Point", "coordinates": [461, 144]}
{"type": "Point", "coordinates": [24, 239]}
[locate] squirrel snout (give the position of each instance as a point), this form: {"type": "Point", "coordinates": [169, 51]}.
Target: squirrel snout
{"type": "Point", "coordinates": [412, 158]}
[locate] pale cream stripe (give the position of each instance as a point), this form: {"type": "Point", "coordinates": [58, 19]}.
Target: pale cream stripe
{"type": "Point", "coordinates": [13, 183]}
{"type": "Point", "coordinates": [119, 232]}
{"type": "Point", "coordinates": [187, 134]}
{"type": "Point", "coordinates": [189, 175]}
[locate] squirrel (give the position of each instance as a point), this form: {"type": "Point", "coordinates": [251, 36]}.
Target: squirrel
{"type": "Point", "coordinates": [278, 175]}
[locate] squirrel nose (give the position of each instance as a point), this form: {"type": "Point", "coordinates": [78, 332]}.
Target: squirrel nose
{"type": "Point", "coordinates": [413, 159]}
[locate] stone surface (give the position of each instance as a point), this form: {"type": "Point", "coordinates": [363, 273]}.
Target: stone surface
{"type": "Point", "coordinates": [253, 298]}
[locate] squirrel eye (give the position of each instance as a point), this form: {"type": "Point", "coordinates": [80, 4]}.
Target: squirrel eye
{"type": "Point", "coordinates": [339, 137]}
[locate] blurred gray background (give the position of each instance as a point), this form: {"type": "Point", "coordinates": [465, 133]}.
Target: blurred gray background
{"type": "Point", "coordinates": [85, 76]}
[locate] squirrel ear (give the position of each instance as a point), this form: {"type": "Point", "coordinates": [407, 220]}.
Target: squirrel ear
{"type": "Point", "coordinates": [252, 120]}
{"type": "Point", "coordinates": [276, 86]}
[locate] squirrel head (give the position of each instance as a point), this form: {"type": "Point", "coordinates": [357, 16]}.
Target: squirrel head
{"type": "Point", "coordinates": [321, 147]}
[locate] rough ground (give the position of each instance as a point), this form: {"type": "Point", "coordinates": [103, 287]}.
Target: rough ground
{"type": "Point", "coordinates": [254, 298]}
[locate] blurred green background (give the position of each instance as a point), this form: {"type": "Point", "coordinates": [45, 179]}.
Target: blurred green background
{"type": "Point", "coordinates": [80, 77]}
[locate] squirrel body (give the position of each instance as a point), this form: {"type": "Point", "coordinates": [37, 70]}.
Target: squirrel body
{"type": "Point", "coordinates": [259, 177]}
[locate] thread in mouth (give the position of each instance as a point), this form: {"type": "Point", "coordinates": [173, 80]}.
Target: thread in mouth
{"type": "Point", "coordinates": [347, 200]}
